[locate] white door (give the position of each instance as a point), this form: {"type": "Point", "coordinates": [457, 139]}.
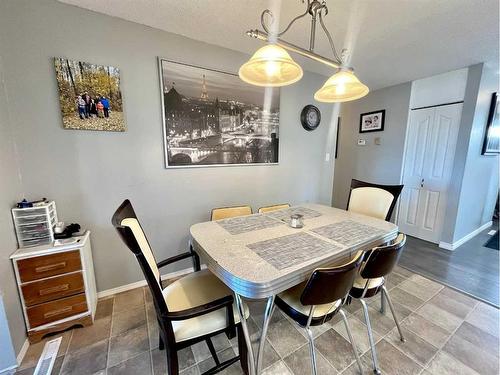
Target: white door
{"type": "Point", "coordinates": [430, 150]}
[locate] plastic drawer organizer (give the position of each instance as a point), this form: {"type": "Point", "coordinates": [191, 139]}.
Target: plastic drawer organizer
{"type": "Point", "coordinates": [35, 225]}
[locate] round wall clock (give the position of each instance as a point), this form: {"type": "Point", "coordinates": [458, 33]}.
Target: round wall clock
{"type": "Point", "coordinates": [310, 117]}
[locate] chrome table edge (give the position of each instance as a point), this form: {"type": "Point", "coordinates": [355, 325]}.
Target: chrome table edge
{"type": "Point", "coordinates": [254, 290]}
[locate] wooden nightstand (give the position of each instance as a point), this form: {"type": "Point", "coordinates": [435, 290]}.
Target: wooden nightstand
{"type": "Point", "coordinates": [56, 286]}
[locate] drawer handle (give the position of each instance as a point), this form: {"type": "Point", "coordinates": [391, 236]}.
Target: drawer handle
{"type": "Point", "coordinates": [50, 267]}
{"type": "Point", "coordinates": [58, 312]}
{"type": "Point", "coordinates": [54, 289]}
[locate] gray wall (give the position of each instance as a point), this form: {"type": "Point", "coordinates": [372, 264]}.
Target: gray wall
{"type": "Point", "coordinates": [90, 173]}
{"type": "Point", "coordinates": [10, 191]}
{"type": "Point", "coordinates": [479, 189]}
{"type": "Point", "coordinates": [375, 163]}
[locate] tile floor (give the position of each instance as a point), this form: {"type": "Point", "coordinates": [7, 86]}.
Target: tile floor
{"type": "Point", "coordinates": [447, 333]}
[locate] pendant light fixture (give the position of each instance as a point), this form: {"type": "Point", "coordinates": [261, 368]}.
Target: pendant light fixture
{"type": "Point", "coordinates": [343, 86]}
{"type": "Point", "coordinates": [272, 66]}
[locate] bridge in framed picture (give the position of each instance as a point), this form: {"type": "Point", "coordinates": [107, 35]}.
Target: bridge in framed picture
{"type": "Point", "coordinates": [212, 118]}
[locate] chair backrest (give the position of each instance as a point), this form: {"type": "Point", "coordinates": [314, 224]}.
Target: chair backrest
{"type": "Point", "coordinates": [274, 207]}
{"type": "Point", "coordinates": [382, 259]}
{"type": "Point", "coordinates": [227, 212]}
{"type": "Point", "coordinates": [127, 224]}
{"type": "Point", "coordinates": [373, 199]}
{"type": "Point", "coordinates": [327, 285]}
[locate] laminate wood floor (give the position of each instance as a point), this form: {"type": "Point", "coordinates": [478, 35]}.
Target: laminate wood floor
{"type": "Point", "coordinates": [472, 268]}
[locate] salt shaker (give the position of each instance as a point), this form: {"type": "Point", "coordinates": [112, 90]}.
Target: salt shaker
{"type": "Point", "coordinates": [296, 221]}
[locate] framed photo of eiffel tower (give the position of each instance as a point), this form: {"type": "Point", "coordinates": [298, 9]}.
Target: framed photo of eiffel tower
{"type": "Point", "coordinates": [212, 118]}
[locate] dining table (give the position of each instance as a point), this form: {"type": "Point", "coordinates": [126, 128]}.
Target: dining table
{"type": "Point", "coordinates": [259, 256]}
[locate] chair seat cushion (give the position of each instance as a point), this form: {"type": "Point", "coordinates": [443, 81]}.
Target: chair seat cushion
{"type": "Point", "coordinates": [193, 290]}
{"type": "Point", "coordinates": [289, 303]}
{"type": "Point", "coordinates": [372, 289]}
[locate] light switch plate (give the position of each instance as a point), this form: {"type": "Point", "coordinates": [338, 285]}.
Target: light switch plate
{"type": "Point", "coordinates": [377, 141]}
{"type": "Point", "coordinates": [361, 142]}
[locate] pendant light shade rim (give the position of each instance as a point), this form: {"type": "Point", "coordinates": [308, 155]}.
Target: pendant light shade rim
{"type": "Point", "coordinates": [341, 100]}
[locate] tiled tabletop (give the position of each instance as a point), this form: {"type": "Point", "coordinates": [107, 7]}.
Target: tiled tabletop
{"type": "Point", "coordinates": [257, 255]}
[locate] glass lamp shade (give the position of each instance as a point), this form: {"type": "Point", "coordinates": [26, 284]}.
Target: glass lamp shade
{"type": "Point", "coordinates": [270, 66]}
{"type": "Point", "coordinates": [343, 86]}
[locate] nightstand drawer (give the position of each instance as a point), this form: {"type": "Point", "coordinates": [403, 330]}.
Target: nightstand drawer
{"type": "Point", "coordinates": [51, 311]}
{"type": "Point", "coordinates": [49, 265]}
{"type": "Point", "coordinates": [53, 288]}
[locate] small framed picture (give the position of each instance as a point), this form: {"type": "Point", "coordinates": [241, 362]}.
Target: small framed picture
{"type": "Point", "coordinates": [372, 121]}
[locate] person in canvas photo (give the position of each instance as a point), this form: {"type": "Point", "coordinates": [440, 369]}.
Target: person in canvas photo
{"type": "Point", "coordinates": [100, 109]}
{"type": "Point", "coordinates": [93, 108]}
{"type": "Point", "coordinates": [375, 122]}
{"type": "Point", "coordinates": [105, 104]}
{"type": "Point", "coordinates": [368, 123]}
{"type": "Point", "coordinates": [86, 97]}
{"type": "Point", "coordinates": [80, 104]}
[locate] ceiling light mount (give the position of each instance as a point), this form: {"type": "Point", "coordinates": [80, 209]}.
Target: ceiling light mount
{"type": "Point", "coordinates": [264, 69]}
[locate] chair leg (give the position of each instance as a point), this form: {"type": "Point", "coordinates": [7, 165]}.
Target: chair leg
{"type": "Point", "coordinates": [161, 344]}
{"type": "Point", "coordinates": [212, 351]}
{"type": "Point", "coordinates": [370, 337]}
{"type": "Point", "coordinates": [382, 302]}
{"type": "Point", "coordinates": [351, 339]}
{"type": "Point", "coordinates": [391, 306]}
{"type": "Point", "coordinates": [242, 350]}
{"type": "Point", "coordinates": [172, 361]}
{"type": "Point", "coordinates": [311, 350]}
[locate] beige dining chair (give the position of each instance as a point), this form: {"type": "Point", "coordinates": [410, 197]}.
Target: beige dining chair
{"type": "Point", "coordinates": [274, 207]}
{"type": "Point", "coordinates": [228, 212]}
{"type": "Point", "coordinates": [373, 200]}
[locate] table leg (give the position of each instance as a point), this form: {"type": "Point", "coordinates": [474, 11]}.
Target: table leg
{"type": "Point", "coordinates": [243, 320]}
{"type": "Point", "coordinates": [268, 313]}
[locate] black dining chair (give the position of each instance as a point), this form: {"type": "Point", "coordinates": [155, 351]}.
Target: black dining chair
{"type": "Point", "coordinates": [370, 281]}
{"type": "Point", "coordinates": [373, 200]}
{"type": "Point", "coordinates": [320, 299]}
{"type": "Point", "coordinates": [192, 309]}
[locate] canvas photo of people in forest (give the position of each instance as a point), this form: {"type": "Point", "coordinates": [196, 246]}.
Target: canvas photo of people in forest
{"type": "Point", "coordinates": [89, 95]}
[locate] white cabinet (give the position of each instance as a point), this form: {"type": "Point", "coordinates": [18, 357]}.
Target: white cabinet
{"type": "Point", "coordinates": [56, 286]}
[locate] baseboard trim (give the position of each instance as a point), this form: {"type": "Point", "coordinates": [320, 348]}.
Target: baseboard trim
{"type": "Point", "coordinates": [8, 370]}
{"type": "Point", "coordinates": [456, 244]}
{"type": "Point", "coordinates": [22, 352]}
{"type": "Point", "coordinates": [141, 283]}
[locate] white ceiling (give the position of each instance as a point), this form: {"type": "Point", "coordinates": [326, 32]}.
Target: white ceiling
{"type": "Point", "coordinates": [391, 41]}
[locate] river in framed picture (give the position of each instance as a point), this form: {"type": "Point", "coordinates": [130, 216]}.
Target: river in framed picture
{"type": "Point", "coordinates": [212, 118]}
